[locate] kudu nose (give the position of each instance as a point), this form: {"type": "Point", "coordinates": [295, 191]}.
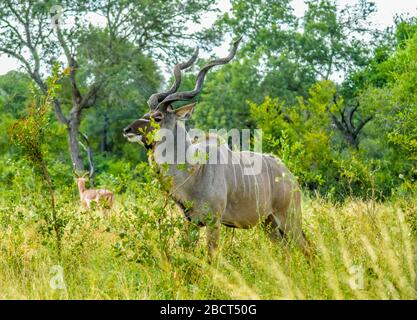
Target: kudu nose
{"type": "Point", "coordinates": [127, 130]}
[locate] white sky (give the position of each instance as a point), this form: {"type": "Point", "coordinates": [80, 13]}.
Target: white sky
{"type": "Point", "coordinates": [383, 18]}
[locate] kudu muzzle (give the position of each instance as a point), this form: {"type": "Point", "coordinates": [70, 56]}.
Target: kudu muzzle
{"type": "Point", "coordinates": [138, 131]}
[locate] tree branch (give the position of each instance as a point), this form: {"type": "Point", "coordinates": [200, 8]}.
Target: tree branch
{"type": "Point", "coordinates": [89, 151]}
{"type": "Point", "coordinates": [58, 112]}
{"type": "Point", "coordinates": [362, 124]}
{"type": "Point", "coordinates": [90, 97]}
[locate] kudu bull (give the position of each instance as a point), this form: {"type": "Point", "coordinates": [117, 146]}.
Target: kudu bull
{"type": "Point", "coordinates": [215, 194]}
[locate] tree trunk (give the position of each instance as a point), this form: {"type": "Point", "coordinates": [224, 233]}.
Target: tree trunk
{"type": "Point", "coordinates": [352, 139]}
{"type": "Point", "coordinates": [73, 141]}
{"type": "Point", "coordinates": [104, 145]}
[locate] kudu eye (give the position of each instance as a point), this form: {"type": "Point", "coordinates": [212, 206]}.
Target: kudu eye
{"type": "Point", "coordinates": [158, 117]}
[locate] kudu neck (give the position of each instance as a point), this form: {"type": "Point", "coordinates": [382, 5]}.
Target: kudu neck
{"type": "Point", "coordinates": [176, 162]}
{"type": "Point", "coordinates": [181, 135]}
{"type": "Point", "coordinates": [81, 186]}
{"type": "Point", "coordinates": [173, 149]}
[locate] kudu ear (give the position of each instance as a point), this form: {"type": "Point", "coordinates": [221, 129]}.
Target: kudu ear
{"type": "Point", "coordinates": [185, 112]}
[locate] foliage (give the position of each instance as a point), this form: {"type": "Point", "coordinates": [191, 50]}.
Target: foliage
{"type": "Point", "coordinates": [394, 106]}
{"type": "Point", "coordinates": [304, 137]}
{"type": "Point", "coordinates": [365, 250]}
{"type": "Point", "coordinates": [28, 133]}
{"type": "Point", "coordinates": [351, 143]}
{"type": "Point", "coordinates": [36, 35]}
{"type": "Point", "coordinates": [129, 81]}
{"type": "Point", "coordinates": [402, 84]}
{"type": "Point", "coordinates": [292, 53]}
{"type": "Point", "coordinates": [224, 100]}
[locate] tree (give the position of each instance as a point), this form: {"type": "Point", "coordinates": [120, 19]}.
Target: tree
{"type": "Point", "coordinates": [225, 95]}
{"type": "Point", "coordinates": [303, 136]}
{"type": "Point", "coordinates": [269, 29]}
{"type": "Point", "coordinates": [14, 96]}
{"type": "Point", "coordinates": [375, 73]}
{"type": "Point", "coordinates": [287, 55]}
{"type": "Point", "coordinates": [324, 41]}
{"type": "Point", "coordinates": [402, 107]}
{"type": "Point", "coordinates": [129, 80]}
{"type": "Point", "coordinates": [332, 40]}
{"type": "Point", "coordinates": [345, 121]}
{"type": "Point", "coordinates": [14, 92]}
{"type": "Point", "coordinates": [27, 35]}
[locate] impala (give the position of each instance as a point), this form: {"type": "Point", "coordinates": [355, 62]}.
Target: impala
{"type": "Point", "coordinates": [221, 193]}
{"type": "Point", "coordinates": [102, 197]}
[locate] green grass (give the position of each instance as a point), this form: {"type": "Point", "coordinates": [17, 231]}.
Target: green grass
{"type": "Point", "coordinates": [364, 250]}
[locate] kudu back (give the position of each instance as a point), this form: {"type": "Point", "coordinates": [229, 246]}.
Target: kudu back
{"type": "Point", "coordinates": [212, 194]}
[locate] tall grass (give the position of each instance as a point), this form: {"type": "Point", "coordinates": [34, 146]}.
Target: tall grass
{"type": "Point", "coordinates": [363, 250]}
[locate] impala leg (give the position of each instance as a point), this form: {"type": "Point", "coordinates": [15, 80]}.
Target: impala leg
{"type": "Point", "coordinates": [107, 210]}
{"type": "Point", "coordinates": [85, 206]}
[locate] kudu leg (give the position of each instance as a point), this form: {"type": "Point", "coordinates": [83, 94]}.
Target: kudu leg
{"type": "Point", "coordinates": [209, 216]}
{"type": "Point", "coordinates": [213, 234]}
{"type": "Point", "coordinates": [271, 227]}
{"type": "Point", "coordinates": [290, 224]}
{"type": "Point", "coordinates": [191, 234]}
